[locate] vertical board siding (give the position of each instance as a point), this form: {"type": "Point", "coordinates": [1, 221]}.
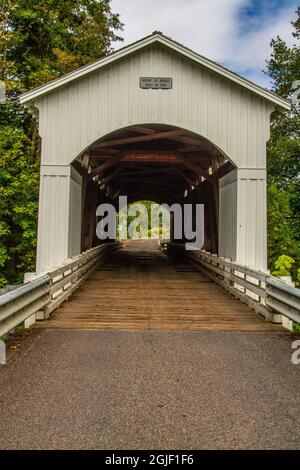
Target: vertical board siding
{"type": "Point", "coordinates": [228, 220]}
{"type": "Point", "coordinates": [53, 227]}
{"type": "Point", "coordinates": [242, 218]}
{"type": "Point", "coordinates": [75, 219]}
{"type": "Point", "coordinates": [59, 231]}
{"type": "Point", "coordinates": [72, 118]}
{"type": "Point", "coordinates": [252, 223]}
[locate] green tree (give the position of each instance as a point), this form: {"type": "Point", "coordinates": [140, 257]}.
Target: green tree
{"type": "Point", "coordinates": [40, 40]}
{"type": "Point", "coordinates": [282, 238]}
{"type": "Point", "coordinates": [18, 204]}
{"type": "Point", "coordinates": [284, 64]}
{"type": "Point", "coordinates": [284, 154]}
{"type": "Point", "coordinates": [45, 39]}
{"type": "Point", "coordinates": [283, 265]}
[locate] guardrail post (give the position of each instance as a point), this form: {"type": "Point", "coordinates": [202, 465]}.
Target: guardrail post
{"type": "Point", "coordinates": [30, 321]}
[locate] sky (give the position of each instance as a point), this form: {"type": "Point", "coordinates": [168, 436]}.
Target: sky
{"type": "Point", "coordinates": [234, 33]}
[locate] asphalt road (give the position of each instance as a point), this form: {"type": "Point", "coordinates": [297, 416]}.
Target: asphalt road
{"type": "Point", "coordinates": [67, 389]}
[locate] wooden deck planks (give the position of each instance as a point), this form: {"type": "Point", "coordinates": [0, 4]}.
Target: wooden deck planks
{"type": "Point", "coordinates": [148, 290]}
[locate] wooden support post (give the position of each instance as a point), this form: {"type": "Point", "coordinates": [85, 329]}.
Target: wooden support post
{"type": "Point", "coordinates": [85, 162]}
{"type": "Point", "coordinates": [215, 196]}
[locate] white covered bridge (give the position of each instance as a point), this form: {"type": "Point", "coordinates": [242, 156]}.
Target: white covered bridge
{"type": "Point", "coordinates": [153, 121]}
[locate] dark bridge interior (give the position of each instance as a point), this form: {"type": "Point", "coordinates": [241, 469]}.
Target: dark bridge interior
{"type": "Point", "coordinates": [152, 162]}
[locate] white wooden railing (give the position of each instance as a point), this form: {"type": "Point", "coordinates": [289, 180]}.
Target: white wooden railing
{"type": "Point", "coordinates": [263, 293]}
{"type": "Point", "coordinates": [45, 293]}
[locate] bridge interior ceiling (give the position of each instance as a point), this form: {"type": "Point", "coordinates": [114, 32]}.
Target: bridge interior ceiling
{"type": "Point", "coordinates": [152, 162]}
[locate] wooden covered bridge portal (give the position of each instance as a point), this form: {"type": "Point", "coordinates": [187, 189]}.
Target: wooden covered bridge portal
{"type": "Point", "coordinates": [154, 121]}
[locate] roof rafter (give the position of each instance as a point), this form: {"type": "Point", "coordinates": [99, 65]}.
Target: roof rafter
{"type": "Point", "coordinates": [143, 138]}
{"type": "Point", "coordinates": [195, 168]}
{"type": "Point", "coordinates": [184, 139]}
{"type": "Point", "coordinates": [100, 169]}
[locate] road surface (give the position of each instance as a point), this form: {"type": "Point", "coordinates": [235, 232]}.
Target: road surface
{"type": "Point", "coordinates": [76, 389]}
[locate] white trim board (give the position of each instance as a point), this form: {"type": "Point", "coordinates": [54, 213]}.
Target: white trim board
{"type": "Point", "coordinates": [156, 38]}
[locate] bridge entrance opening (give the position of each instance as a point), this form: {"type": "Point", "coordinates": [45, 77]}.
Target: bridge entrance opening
{"type": "Point", "coordinates": [163, 164]}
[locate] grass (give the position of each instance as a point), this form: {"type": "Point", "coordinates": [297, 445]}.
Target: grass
{"type": "Point", "coordinates": [296, 328]}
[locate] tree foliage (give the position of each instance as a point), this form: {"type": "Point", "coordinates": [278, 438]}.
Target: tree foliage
{"type": "Point", "coordinates": [284, 156]}
{"type": "Point", "coordinates": [18, 203]}
{"type": "Point", "coordinates": [40, 40]}
{"type": "Point", "coordinates": [283, 265]}
{"type": "Point", "coordinates": [284, 64]}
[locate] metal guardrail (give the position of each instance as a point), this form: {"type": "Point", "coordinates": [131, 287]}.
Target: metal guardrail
{"type": "Point", "coordinates": [18, 305]}
{"type": "Point", "coordinates": [246, 284]}
{"type": "Point", "coordinates": [44, 294]}
{"type": "Point", "coordinates": [283, 298]}
{"type": "Point", "coordinates": [263, 293]}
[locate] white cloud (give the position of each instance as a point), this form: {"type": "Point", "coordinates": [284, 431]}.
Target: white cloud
{"type": "Point", "coordinates": [210, 27]}
{"type": "Point", "coordinates": [202, 25]}
{"type": "Point", "coordinates": [253, 48]}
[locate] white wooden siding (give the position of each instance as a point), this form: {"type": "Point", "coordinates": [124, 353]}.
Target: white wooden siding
{"type": "Point", "coordinates": [75, 215]}
{"type": "Point", "coordinates": [252, 219]}
{"type": "Point", "coordinates": [235, 120]}
{"type": "Point", "coordinates": [228, 218]}
{"type": "Point", "coordinates": [243, 217]}
{"type": "Point", "coordinates": [59, 230]}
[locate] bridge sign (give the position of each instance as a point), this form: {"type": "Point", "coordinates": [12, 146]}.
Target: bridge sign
{"type": "Point", "coordinates": [156, 83]}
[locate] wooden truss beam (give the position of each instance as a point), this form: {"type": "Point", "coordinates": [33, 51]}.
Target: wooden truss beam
{"type": "Point", "coordinates": [178, 138]}
{"type": "Point", "coordinates": [104, 166]}
{"type": "Point", "coordinates": [116, 194]}
{"type": "Point", "coordinates": [108, 178]}
{"type": "Point", "coordinates": [151, 157]}
{"type": "Point", "coordinates": [150, 171]}
{"type": "Point", "coordinates": [78, 168]}
{"type": "Point", "coordinates": [195, 168]}
{"type": "Point", "coordinates": [141, 157]}
{"type": "Point", "coordinates": [143, 138]}
{"type": "Point", "coordinates": [157, 183]}
{"type": "Point", "coordinates": [185, 177]}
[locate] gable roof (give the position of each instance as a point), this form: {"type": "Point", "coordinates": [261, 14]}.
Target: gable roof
{"type": "Point", "coordinates": [155, 38]}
